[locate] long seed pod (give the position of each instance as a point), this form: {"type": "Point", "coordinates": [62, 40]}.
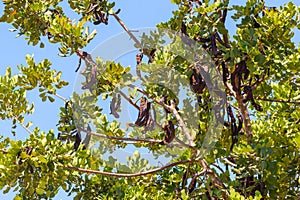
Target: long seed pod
{"type": "Point", "coordinates": [139, 58]}
{"type": "Point", "coordinates": [169, 133]}
{"type": "Point", "coordinates": [144, 112]}
{"type": "Point", "coordinates": [115, 104]}
{"type": "Point", "coordinates": [77, 141]}
{"type": "Point", "coordinates": [87, 138]}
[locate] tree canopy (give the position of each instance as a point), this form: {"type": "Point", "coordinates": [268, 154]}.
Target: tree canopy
{"type": "Point", "coordinates": [217, 114]}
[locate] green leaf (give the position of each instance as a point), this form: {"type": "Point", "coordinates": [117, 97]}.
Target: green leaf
{"type": "Point", "coordinates": [40, 191]}
{"type": "Point", "coordinates": [17, 197]}
{"type": "Point", "coordinates": [260, 59]}
{"type": "Point", "coordinates": [42, 159]}
{"type": "Point", "coordinates": [51, 99]}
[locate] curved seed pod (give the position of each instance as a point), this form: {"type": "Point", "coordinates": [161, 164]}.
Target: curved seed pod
{"type": "Point", "coordinates": [115, 106]}
{"type": "Point", "coordinates": [144, 112]}
{"type": "Point", "coordinates": [169, 133]}
{"type": "Point", "coordinates": [139, 58]}
{"type": "Point", "coordinates": [77, 140]}
{"type": "Point", "coordinates": [87, 139]}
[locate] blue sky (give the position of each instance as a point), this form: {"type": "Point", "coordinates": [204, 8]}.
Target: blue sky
{"type": "Point", "coordinates": [134, 13]}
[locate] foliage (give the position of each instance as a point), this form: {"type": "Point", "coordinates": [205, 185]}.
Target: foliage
{"type": "Point", "coordinates": [257, 155]}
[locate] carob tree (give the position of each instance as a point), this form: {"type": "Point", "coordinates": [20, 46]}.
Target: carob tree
{"type": "Point", "coordinates": [257, 156]}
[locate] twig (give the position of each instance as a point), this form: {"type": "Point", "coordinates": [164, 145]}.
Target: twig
{"type": "Point", "coordinates": [278, 100]}
{"type": "Point", "coordinates": [120, 138]}
{"type": "Point", "coordinates": [134, 140]}
{"type": "Point", "coordinates": [38, 17]}
{"type": "Point", "coordinates": [3, 151]}
{"type": "Point", "coordinates": [261, 79]}
{"type": "Point", "coordinates": [182, 125]}
{"type": "Point", "coordinates": [200, 173]}
{"type": "Point", "coordinates": [128, 175]}
{"type": "Point", "coordinates": [29, 131]}
{"type": "Point", "coordinates": [132, 36]}
{"type": "Point", "coordinates": [229, 162]}
{"type": "Point", "coordinates": [216, 180]}
{"type": "Point", "coordinates": [128, 99]}
{"type": "Point", "coordinates": [186, 145]}
{"type": "Point", "coordinates": [85, 58]}
{"type": "Point", "coordinates": [218, 167]}
{"type": "Point", "coordinates": [60, 97]}
{"type": "Point", "coordinates": [127, 30]}
{"type": "Point", "coordinates": [235, 107]}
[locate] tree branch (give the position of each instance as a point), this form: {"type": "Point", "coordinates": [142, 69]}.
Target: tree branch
{"type": "Point", "coordinates": [128, 175]}
{"type": "Point", "coordinates": [119, 138]}
{"type": "Point", "coordinates": [218, 167]}
{"type": "Point", "coordinates": [23, 126]}
{"type": "Point", "coordinates": [85, 58]}
{"type": "Point", "coordinates": [136, 140]}
{"type": "Point", "coordinates": [137, 42]}
{"type": "Point", "coordinates": [61, 97]}
{"type": "Point", "coordinates": [216, 180]}
{"type": "Point", "coordinates": [186, 145]}
{"type": "Point", "coordinates": [3, 151]}
{"type": "Point", "coordinates": [120, 174]}
{"type": "Point", "coordinates": [229, 162]}
{"type": "Point", "coordinates": [278, 100]}
{"type": "Point", "coordinates": [128, 99]}
{"type": "Point", "coordinates": [182, 125]}
{"type": "Point", "coordinates": [128, 31]}
{"type": "Point", "coordinates": [261, 79]}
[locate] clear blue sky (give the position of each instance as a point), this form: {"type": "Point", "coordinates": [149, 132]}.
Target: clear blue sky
{"type": "Point", "coordinates": [134, 13]}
